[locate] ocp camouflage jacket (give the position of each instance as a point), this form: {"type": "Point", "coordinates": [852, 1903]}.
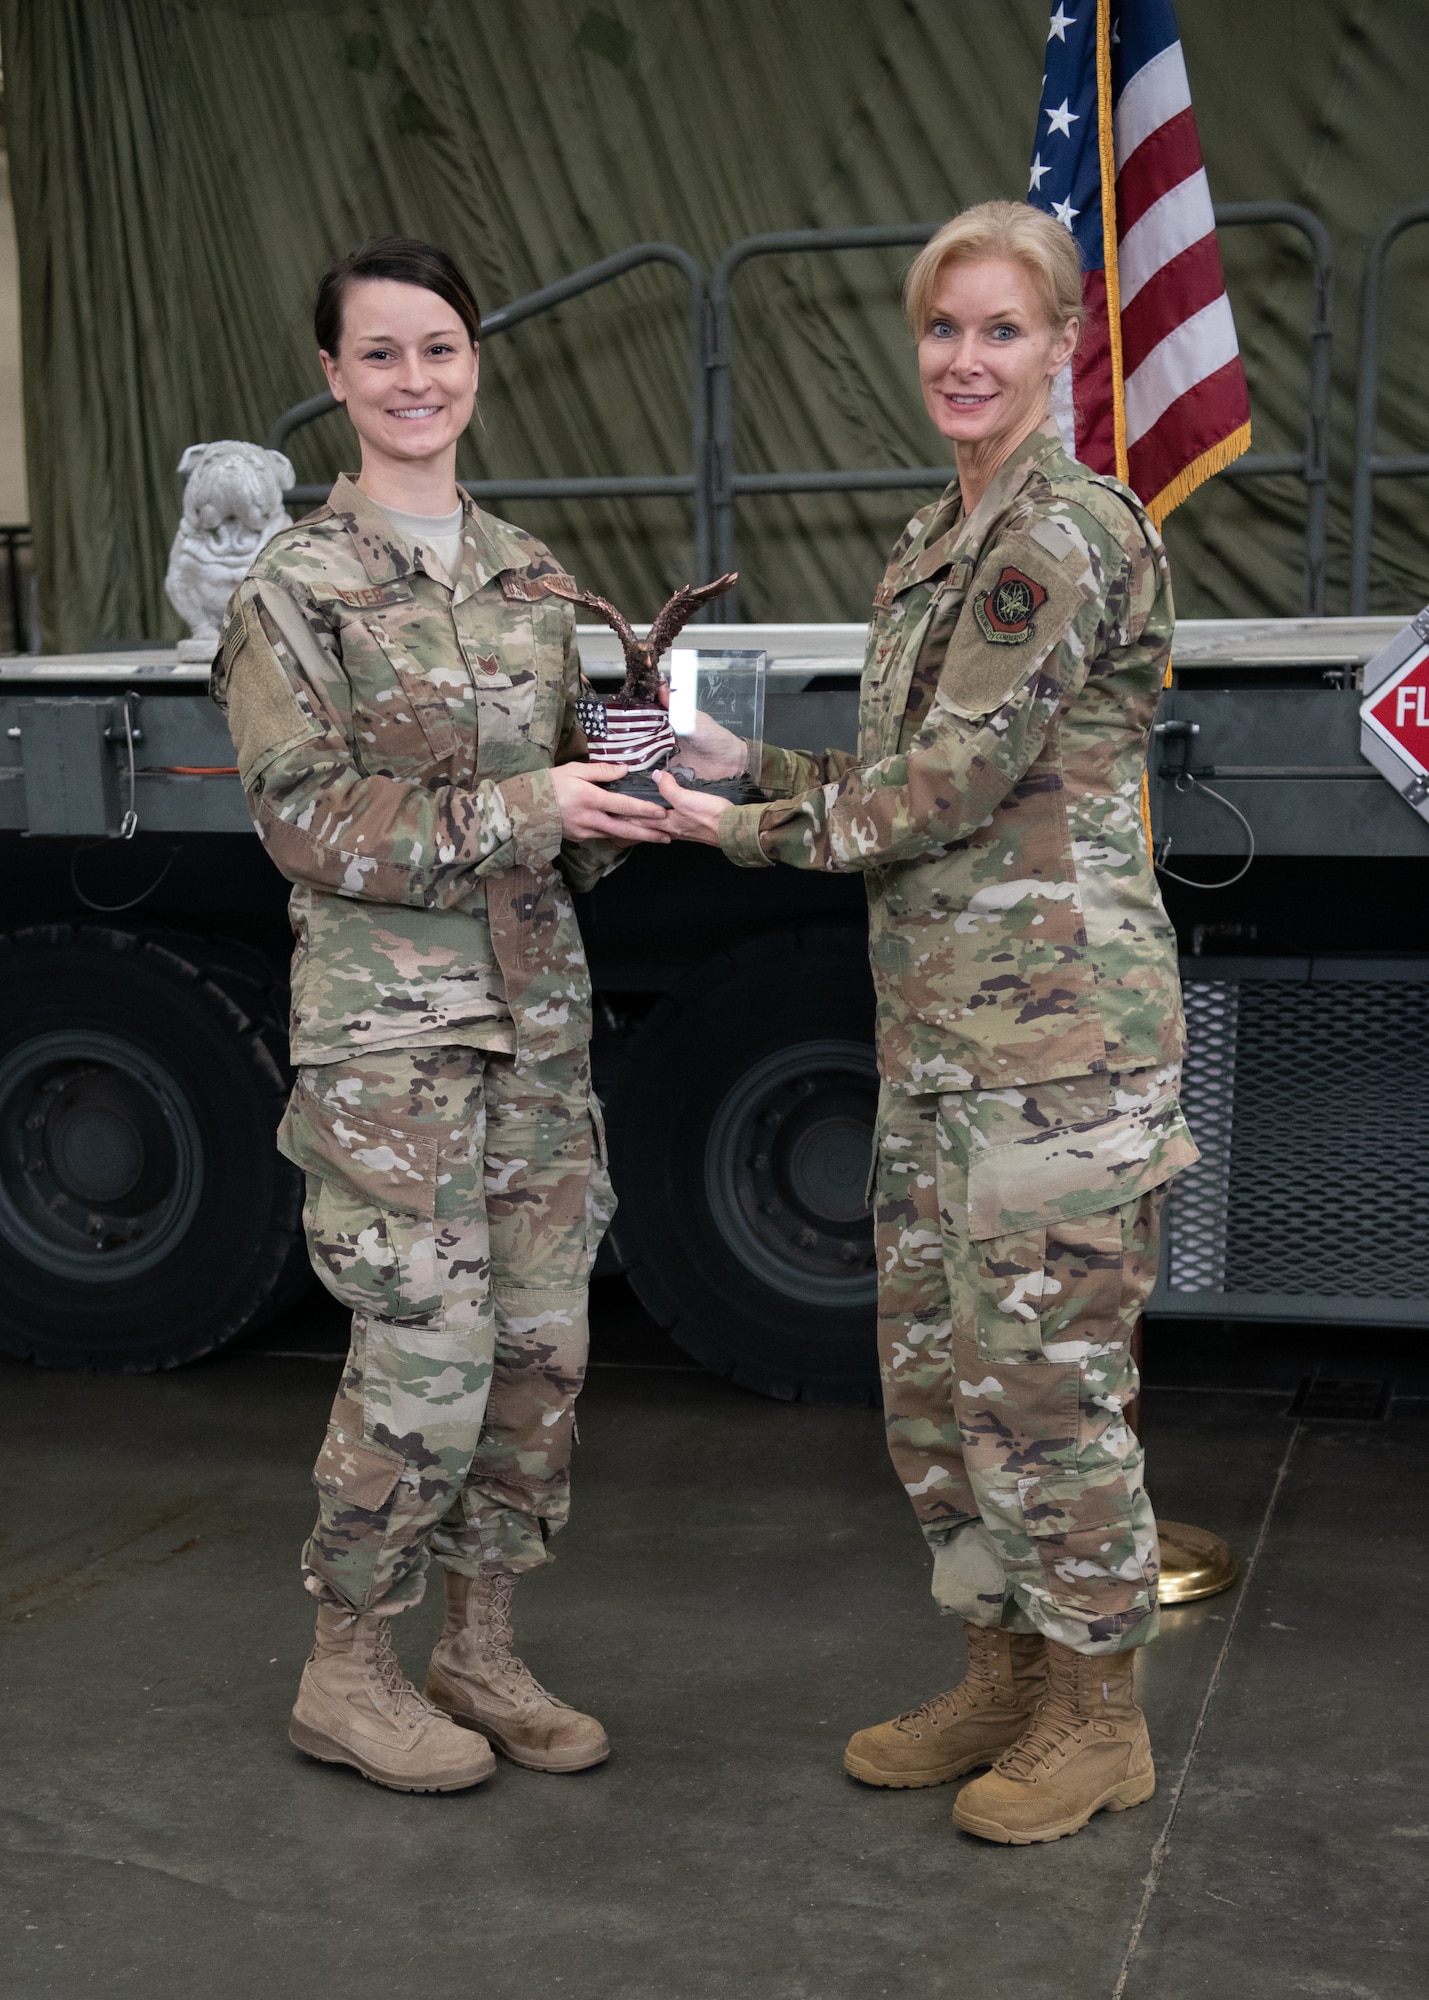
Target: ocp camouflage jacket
{"type": "Point", "coordinates": [395, 734]}
{"type": "Point", "coordinates": [1016, 931]}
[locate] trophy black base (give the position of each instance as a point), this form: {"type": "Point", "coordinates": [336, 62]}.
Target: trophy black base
{"type": "Point", "coordinates": [740, 791]}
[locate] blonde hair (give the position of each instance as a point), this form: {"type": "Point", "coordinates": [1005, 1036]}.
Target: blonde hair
{"type": "Point", "coordinates": [1004, 229]}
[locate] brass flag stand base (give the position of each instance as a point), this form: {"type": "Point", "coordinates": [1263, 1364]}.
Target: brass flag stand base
{"type": "Point", "coordinates": [1194, 1562]}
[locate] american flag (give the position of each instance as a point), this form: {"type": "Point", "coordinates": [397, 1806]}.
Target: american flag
{"type": "Point", "coordinates": [640, 738]}
{"type": "Point", "coordinates": [1156, 394]}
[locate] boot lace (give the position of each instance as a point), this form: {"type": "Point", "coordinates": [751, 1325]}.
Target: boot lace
{"type": "Point", "coordinates": [504, 1668]}
{"type": "Point", "coordinates": [936, 1709]}
{"type": "Point", "coordinates": [978, 1682]}
{"type": "Point", "coordinates": [1054, 1727]}
{"type": "Point", "coordinates": [406, 1701]}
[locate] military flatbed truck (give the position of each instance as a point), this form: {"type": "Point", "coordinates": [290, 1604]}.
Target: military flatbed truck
{"type": "Point", "coordinates": [146, 1218]}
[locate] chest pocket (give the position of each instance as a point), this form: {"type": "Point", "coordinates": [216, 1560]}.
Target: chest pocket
{"type": "Point", "coordinates": [516, 652]}
{"type": "Point", "coordinates": [896, 639]}
{"type": "Point", "coordinates": [425, 689]}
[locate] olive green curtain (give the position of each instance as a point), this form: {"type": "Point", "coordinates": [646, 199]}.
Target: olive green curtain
{"type": "Point", "coordinates": [183, 169]}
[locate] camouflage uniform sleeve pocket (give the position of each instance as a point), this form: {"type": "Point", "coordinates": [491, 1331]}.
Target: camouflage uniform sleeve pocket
{"type": "Point", "coordinates": [1076, 1170]}
{"type": "Point", "coordinates": [380, 1164]}
{"type": "Point", "coordinates": [265, 715]}
{"type": "Point", "coordinates": [1019, 608]}
{"type": "Point", "coordinates": [357, 1472]}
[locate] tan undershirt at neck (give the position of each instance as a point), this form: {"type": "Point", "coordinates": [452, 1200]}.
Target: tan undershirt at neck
{"type": "Point", "coordinates": [441, 533]}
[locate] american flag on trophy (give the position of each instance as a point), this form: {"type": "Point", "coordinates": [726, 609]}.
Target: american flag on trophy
{"type": "Point", "coordinates": [640, 738]}
{"type": "Point", "coordinates": [1156, 394]}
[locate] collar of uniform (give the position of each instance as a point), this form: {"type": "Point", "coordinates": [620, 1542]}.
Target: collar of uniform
{"type": "Point", "coordinates": [383, 558]}
{"type": "Point", "coordinates": [934, 548]}
{"type": "Point", "coordinates": [1044, 443]}
{"type": "Point", "coordinates": [487, 548]}
{"type": "Point", "coordinates": [950, 536]}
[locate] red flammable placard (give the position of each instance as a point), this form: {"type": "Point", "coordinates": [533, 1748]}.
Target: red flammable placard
{"type": "Point", "coordinates": [1399, 712]}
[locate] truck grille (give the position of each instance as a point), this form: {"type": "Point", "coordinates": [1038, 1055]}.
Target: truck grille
{"type": "Point", "coordinates": [1304, 1094]}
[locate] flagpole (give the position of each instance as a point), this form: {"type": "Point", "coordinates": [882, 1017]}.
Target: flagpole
{"type": "Point", "coordinates": [1105, 141]}
{"type": "Point", "coordinates": [1194, 1562]}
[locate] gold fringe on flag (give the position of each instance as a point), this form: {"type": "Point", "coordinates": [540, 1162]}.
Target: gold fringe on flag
{"type": "Point", "coordinates": [1198, 472]}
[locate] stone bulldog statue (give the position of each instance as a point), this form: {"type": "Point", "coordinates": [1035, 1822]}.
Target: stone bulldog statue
{"type": "Point", "coordinates": [233, 504]}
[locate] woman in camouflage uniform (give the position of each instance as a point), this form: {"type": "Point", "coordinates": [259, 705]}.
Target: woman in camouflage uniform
{"type": "Point", "coordinates": [1029, 1037]}
{"type": "Point", "coordinates": [400, 674]}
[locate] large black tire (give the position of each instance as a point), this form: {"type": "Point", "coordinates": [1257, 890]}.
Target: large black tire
{"type": "Point", "coordinates": [741, 1135]}
{"type": "Point", "coordinates": [145, 1215]}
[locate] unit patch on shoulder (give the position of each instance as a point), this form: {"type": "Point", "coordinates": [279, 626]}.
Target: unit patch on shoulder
{"type": "Point", "coordinates": [1006, 612]}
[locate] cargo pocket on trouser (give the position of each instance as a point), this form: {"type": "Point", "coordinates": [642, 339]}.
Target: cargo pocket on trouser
{"type": "Point", "coordinates": [600, 1203]}
{"type": "Point", "coordinates": [370, 1211]}
{"type": "Point", "coordinates": [356, 1479]}
{"type": "Point", "coordinates": [403, 1429]}
{"type": "Point", "coordinates": [1057, 1472]}
{"type": "Point", "coordinates": [549, 1201]}
{"type": "Point", "coordinates": [409, 1411]}
{"type": "Point", "coordinates": [914, 1321]}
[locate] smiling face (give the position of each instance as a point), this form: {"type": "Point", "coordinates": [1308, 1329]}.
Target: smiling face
{"type": "Point", "coordinates": [405, 369]}
{"type": "Point", "coordinates": [988, 358]}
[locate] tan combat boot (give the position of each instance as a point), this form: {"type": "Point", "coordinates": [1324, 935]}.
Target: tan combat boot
{"type": "Point", "coordinates": [971, 1724]}
{"type": "Point", "coordinates": [356, 1706]}
{"type": "Point", "coordinates": [1085, 1748]}
{"type": "Point", "coordinates": [478, 1680]}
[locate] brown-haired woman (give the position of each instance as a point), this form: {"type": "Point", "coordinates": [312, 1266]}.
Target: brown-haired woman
{"type": "Point", "coordinates": [1029, 1037]}
{"type": "Point", "coordinates": [400, 675]}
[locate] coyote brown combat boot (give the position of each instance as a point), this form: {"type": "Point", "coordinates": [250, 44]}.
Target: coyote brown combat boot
{"type": "Point", "coordinates": [1085, 1748]}
{"type": "Point", "coordinates": [478, 1680]}
{"type": "Point", "coordinates": [356, 1706]}
{"type": "Point", "coordinates": [971, 1724]}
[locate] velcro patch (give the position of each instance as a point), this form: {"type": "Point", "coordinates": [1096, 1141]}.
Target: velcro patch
{"type": "Point", "coordinates": [1006, 613]}
{"type": "Point", "coordinates": [1057, 539]}
{"type": "Point", "coordinates": [373, 596]}
{"type": "Point", "coordinates": [529, 589]}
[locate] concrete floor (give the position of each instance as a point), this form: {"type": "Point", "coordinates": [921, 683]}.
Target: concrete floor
{"type": "Point", "coordinates": [741, 1587]}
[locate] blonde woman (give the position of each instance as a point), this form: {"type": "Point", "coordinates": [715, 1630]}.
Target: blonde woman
{"type": "Point", "coordinates": [1029, 1037]}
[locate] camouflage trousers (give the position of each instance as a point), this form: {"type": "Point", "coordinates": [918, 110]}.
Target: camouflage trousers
{"type": "Point", "coordinates": [1017, 1237]}
{"type": "Point", "coordinates": [457, 1208]}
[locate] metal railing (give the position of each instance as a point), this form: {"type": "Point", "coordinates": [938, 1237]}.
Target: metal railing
{"type": "Point", "coordinates": [15, 540]}
{"type": "Point", "coordinates": [715, 486]}
{"type": "Point", "coordinates": [1369, 464]}
{"type": "Point", "coordinates": [726, 485]}
{"type": "Point", "coordinates": [692, 485]}
{"type": "Point", "coordinates": [1312, 465]}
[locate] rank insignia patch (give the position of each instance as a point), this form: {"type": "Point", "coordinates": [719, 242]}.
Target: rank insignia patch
{"type": "Point", "coordinates": [1006, 612]}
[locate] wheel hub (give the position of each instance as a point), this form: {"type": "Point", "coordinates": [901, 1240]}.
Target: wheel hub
{"type": "Point", "coordinates": [100, 1158]}
{"type": "Point", "coordinates": [786, 1171]}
